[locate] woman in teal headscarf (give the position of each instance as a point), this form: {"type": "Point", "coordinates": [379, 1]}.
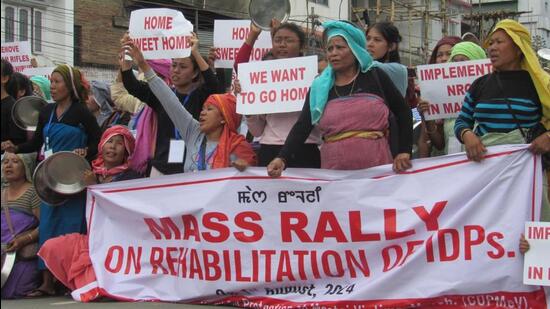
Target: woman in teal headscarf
{"type": "Point", "coordinates": [351, 103]}
{"type": "Point", "coordinates": [443, 138]}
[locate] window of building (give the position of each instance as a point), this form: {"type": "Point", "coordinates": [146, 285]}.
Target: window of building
{"type": "Point", "coordinates": [322, 2]}
{"type": "Point", "coordinates": [37, 41]}
{"type": "Point", "coordinates": [23, 25]}
{"type": "Point", "coordinates": [9, 25]}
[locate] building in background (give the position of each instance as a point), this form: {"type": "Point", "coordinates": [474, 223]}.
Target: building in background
{"type": "Point", "coordinates": [46, 24]}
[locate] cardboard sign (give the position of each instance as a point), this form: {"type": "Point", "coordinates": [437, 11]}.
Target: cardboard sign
{"type": "Point", "coordinates": [161, 33]}
{"type": "Point", "coordinates": [229, 36]}
{"type": "Point", "coordinates": [275, 86]}
{"type": "Point", "coordinates": [536, 269]}
{"type": "Point", "coordinates": [444, 85]}
{"type": "Point", "coordinates": [18, 54]}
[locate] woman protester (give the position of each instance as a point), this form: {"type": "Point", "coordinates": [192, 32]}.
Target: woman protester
{"type": "Point", "coordinates": [20, 213]}
{"type": "Point", "coordinates": [440, 54]}
{"type": "Point", "coordinates": [350, 102]}
{"type": "Point", "coordinates": [213, 141]}
{"type": "Point", "coordinates": [67, 256]}
{"type": "Point", "coordinates": [444, 141]}
{"type": "Point", "coordinates": [185, 74]}
{"type": "Point", "coordinates": [66, 125]}
{"type": "Point", "coordinates": [383, 40]}
{"type": "Point", "coordinates": [510, 105]}
{"type": "Point", "coordinates": [10, 131]}
{"type": "Point", "coordinates": [272, 129]}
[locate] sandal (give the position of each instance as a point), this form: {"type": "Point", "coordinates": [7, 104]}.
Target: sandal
{"type": "Point", "coordinates": [38, 293]}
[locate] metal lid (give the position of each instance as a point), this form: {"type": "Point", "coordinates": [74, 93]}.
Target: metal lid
{"type": "Point", "coordinates": [8, 260]}
{"type": "Point", "coordinates": [263, 11]}
{"type": "Point", "coordinates": [25, 112]}
{"type": "Point", "coordinates": [64, 172]}
{"type": "Point", "coordinates": [43, 191]}
{"type": "Point", "coordinates": [544, 53]}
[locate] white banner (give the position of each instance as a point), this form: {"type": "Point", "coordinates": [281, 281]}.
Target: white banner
{"type": "Point", "coordinates": [318, 238]}
{"type": "Point", "coordinates": [275, 86]}
{"type": "Point", "coordinates": [18, 54]}
{"type": "Point", "coordinates": [536, 268]}
{"type": "Point", "coordinates": [229, 36]}
{"type": "Point", "coordinates": [161, 33]}
{"type": "Point", "coordinates": [40, 71]}
{"type": "Point", "coordinates": [444, 85]}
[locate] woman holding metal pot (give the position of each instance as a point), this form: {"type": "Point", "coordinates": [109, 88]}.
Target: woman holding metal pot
{"type": "Point", "coordinates": [66, 125]}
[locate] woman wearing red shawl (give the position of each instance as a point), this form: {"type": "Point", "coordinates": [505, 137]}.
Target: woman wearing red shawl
{"type": "Point", "coordinates": [67, 256]}
{"type": "Point", "coordinates": [213, 141]}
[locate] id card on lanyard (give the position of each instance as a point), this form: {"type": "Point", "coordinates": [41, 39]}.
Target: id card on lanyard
{"type": "Point", "coordinates": [48, 151]}
{"type": "Point", "coordinates": [177, 144]}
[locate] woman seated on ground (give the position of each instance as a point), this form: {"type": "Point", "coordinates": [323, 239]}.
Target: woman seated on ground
{"type": "Point", "coordinates": [20, 213]}
{"type": "Point", "coordinates": [67, 256]}
{"type": "Point", "coordinates": [213, 141]}
{"type": "Point", "coordinates": [351, 102]}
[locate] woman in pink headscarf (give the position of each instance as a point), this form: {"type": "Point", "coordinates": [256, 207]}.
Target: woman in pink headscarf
{"type": "Point", "coordinates": [67, 256]}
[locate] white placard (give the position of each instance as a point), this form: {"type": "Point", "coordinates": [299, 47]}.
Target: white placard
{"type": "Point", "coordinates": [444, 85]}
{"type": "Point", "coordinates": [40, 71]}
{"type": "Point", "coordinates": [161, 33]}
{"type": "Point", "coordinates": [18, 54]}
{"type": "Point", "coordinates": [536, 267]}
{"type": "Point", "coordinates": [275, 86]}
{"type": "Point", "coordinates": [229, 36]}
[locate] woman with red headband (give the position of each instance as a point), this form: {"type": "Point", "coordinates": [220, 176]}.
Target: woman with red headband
{"type": "Point", "coordinates": [213, 141]}
{"type": "Point", "coordinates": [67, 256]}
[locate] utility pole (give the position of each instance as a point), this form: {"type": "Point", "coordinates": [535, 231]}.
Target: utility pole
{"type": "Point", "coordinates": [443, 10]}
{"type": "Point", "coordinates": [425, 41]}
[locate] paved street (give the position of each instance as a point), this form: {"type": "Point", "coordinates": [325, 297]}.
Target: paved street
{"type": "Point", "coordinates": [67, 303]}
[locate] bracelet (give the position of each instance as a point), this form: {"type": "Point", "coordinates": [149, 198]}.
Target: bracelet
{"type": "Point", "coordinates": [464, 132]}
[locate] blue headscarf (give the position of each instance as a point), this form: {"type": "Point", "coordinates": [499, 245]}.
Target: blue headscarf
{"type": "Point", "coordinates": [321, 86]}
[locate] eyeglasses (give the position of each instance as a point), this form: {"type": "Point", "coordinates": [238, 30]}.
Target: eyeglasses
{"type": "Point", "coordinates": [280, 40]}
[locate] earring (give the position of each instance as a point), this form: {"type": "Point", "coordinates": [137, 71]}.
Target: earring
{"type": "Point", "coordinates": [222, 122]}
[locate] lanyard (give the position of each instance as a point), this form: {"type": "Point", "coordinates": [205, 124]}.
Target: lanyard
{"type": "Point", "coordinates": [176, 132]}
{"type": "Point", "coordinates": [47, 127]}
{"type": "Point", "coordinates": [203, 158]}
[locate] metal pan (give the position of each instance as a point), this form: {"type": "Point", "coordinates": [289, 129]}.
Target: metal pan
{"type": "Point", "coordinates": [263, 11]}
{"type": "Point", "coordinates": [64, 172]}
{"type": "Point", "coordinates": [46, 194]}
{"type": "Point", "coordinates": [25, 112]}
{"type": "Point", "coordinates": [544, 53]}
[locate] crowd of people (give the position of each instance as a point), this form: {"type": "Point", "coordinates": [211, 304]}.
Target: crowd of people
{"type": "Point", "coordinates": [357, 115]}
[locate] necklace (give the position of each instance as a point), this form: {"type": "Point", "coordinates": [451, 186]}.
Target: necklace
{"type": "Point", "coordinates": [352, 86]}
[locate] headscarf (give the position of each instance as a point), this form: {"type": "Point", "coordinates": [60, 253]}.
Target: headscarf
{"type": "Point", "coordinates": [471, 50]}
{"type": "Point", "coordinates": [102, 95]}
{"type": "Point", "coordinates": [98, 165]}
{"type": "Point", "coordinates": [324, 82]}
{"type": "Point", "coordinates": [230, 140]}
{"type": "Point", "coordinates": [530, 63]}
{"type": "Point", "coordinates": [44, 85]}
{"type": "Point", "coordinates": [447, 40]}
{"type": "Point", "coordinates": [161, 67]}
{"type": "Point", "coordinates": [29, 164]}
{"type": "Point", "coordinates": [75, 81]}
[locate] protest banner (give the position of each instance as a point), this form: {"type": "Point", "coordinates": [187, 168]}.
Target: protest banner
{"type": "Point", "coordinates": [18, 54]}
{"type": "Point", "coordinates": [536, 268]}
{"type": "Point", "coordinates": [444, 85]}
{"type": "Point", "coordinates": [229, 36]}
{"type": "Point", "coordinates": [275, 86]}
{"type": "Point", "coordinates": [318, 238]}
{"type": "Point", "coordinates": [40, 71]}
{"type": "Point", "coordinates": [161, 33]}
